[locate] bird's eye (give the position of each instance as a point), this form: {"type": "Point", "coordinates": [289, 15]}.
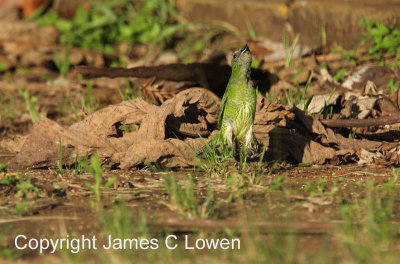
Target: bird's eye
{"type": "Point", "coordinates": [235, 55]}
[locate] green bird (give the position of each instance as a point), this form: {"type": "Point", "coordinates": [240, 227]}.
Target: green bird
{"type": "Point", "coordinates": [238, 105]}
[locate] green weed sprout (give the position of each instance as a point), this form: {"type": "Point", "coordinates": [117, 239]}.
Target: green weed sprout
{"type": "Point", "coordinates": [383, 38]}
{"type": "Point", "coordinates": [62, 62]}
{"type": "Point", "coordinates": [88, 103]}
{"type": "Point", "coordinates": [112, 22]}
{"type": "Point", "coordinates": [300, 96]}
{"type": "Point", "coordinates": [35, 116]}
{"type": "Point", "coordinates": [185, 201]}
{"type": "Point", "coordinates": [3, 167]}
{"type": "Point", "coordinates": [212, 159]}
{"type": "Point", "coordinates": [25, 186]}
{"type": "Point", "coordinates": [96, 170]}
{"type": "Point", "coordinates": [289, 48]}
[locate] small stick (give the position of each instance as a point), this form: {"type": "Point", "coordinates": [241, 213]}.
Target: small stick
{"type": "Point", "coordinates": [171, 72]}
{"type": "Point", "coordinates": [379, 121]}
{"type": "Point", "coordinates": [184, 225]}
{"type": "Point", "coordinates": [36, 218]}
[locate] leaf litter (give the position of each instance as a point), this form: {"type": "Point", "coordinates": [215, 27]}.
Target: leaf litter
{"type": "Point", "coordinates": [134, 133]}
{"type": "Point", "coordinates": [170, 134]}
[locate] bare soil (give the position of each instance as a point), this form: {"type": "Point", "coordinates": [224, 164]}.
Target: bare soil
{"type": "Point", "coordinates": [300, 196]}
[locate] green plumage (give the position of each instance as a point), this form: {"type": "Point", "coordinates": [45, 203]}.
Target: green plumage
{"type": "Point", "coordinates": [238, 105]}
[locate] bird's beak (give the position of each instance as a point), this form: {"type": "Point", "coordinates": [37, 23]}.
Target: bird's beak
{"type": "Point", "coordinates": [244, 49]}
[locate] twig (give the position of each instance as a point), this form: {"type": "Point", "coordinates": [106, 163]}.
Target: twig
{"type": "Point", "coordinates": [172, 72]}
{"type": "Point", "coordinates": [313, 228]}
{"type": "Point", "coordinates": [37, 218]}
{"type": "Point", "coordinates": [379, 121]}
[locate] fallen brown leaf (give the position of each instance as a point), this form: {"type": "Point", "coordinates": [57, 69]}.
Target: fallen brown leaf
{"type": "Point", "coordinates": [170, 135]}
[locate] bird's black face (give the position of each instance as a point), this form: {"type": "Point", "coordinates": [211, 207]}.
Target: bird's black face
{"type": "Point", "coordinates": [242, 58]}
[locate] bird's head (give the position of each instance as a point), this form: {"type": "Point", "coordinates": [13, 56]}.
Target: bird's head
{"type": "Point", "coordinates": [241, 60]}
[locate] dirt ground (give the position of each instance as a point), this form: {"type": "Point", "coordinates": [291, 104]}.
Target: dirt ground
{"type": "Point", "coordinates": [71, 213]}
{"type": "Point", "coordinates": [94, 143]}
